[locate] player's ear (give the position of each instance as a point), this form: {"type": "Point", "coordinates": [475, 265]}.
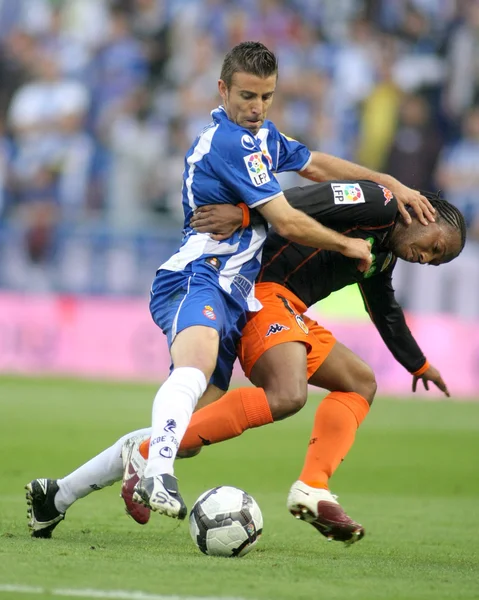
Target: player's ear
{"type": "Point", "coordinates": [222, 88]}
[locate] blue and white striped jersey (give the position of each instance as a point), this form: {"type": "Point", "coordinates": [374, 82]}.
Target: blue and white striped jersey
{"type": "Point", "coordinates": [227, 165]}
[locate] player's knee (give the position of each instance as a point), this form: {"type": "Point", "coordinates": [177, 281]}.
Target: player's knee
{"type": "Point", "coordinates": [286, 400]}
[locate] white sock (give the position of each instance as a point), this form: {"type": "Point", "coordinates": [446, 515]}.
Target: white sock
{"type": "Point", "coordinates": [172, 409]}
{"type": "Point", "coordinates": [102, 470]}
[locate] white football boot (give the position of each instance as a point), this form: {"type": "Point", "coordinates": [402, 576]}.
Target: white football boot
{"type": "Point", "coordinates": [321, 509]}
{"type": "Point", "coordinates": [161, 494]}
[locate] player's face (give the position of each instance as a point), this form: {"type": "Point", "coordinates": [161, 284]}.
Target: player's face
{"type": "Point", "coordinates": [248, 99]}
{"type": "Point", "coordinates": [431, 244]}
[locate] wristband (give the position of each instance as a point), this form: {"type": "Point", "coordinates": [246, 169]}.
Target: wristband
{"type": "Point", "coordinates": [422, 370]}
{"type": "Point", "coordinates": [245, 210]}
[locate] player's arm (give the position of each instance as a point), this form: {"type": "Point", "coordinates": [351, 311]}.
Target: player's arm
{"type": "Point", "coordinates": [323, 167]}
{"type": "Point", "coordinates": [298, 227]}
{"type": "Point", "coordinates": [388, 317]}
{"type": "Point", "coordinates": [222, 220]}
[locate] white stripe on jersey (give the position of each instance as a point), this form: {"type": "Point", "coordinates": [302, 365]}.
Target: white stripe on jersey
{"type": "Point", "coordinates": [197, 245]}
{"type": "Point", "coordinates": [233, 266]}
{"type": "Point", "coordinates": [202, 147]}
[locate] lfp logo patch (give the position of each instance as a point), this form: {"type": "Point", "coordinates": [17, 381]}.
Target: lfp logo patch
{"type": "Point", "coordinates": [347, 193]}
{"type": "Point", "coordinates": [257, 170]}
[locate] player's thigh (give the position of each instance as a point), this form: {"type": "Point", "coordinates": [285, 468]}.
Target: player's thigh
{"type": "Point", "coordinates": [196, 346]}
{"type": "Point", "coordinates": [273, 349]}
{"type": "Point", "coordinates": [281, 372]}
{"type": "Point", "coordinates": [194, 314]}
{"type": "Point", "coordinates": [344, 371]}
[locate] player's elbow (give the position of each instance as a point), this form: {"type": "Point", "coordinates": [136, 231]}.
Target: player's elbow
{"type": "Point", "coordinates": [285, 229]}
{"type": "Point", "coordinates": [289, 225]}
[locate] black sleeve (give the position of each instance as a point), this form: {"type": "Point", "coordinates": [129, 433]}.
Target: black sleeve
{"type": "Point", "coordinates": [339, 204]}
{"type": "Point", "coordinates": [388, 317]}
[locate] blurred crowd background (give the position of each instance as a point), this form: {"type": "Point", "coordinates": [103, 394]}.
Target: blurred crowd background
{"type": "Point", "coordinates": [99, 100]}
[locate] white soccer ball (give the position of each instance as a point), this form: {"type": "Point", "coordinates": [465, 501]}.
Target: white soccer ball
{"type": "Point", "coordinates": [226, 521]}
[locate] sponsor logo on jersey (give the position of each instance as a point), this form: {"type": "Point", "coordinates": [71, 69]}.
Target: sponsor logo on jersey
{"type": "Point", "coordinates": [209, 312]}
{"type": "Point", "coordinates": [248, 142]}
{"type": "Point", "coordinates": [387, 194]}
{"type": "Point", "coordinates": [302, 325]}
{"type": "Point", "coordinates": [347, 193]}
{"type": "Point", "coordinates": [214, 262]}
{"type": "Point", "coordinates": [257, 170]}
{"type": "Point", "coordinates": [387, 261]}
{"type": "Point", "coordinates": [276, 328]}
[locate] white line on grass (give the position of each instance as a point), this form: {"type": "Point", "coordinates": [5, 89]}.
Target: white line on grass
{"type": "Point", "coordinates": [113, 594]}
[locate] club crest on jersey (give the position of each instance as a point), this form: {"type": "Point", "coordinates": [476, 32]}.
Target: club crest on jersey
{"type": "Point", "coordinates": [347, 193]}
{"type": "Point", "coordinates": [301, 324]}
{"type": "Point", "coordinates": [257, 170]}
{"type": "Point", "coordinates": [209, 313]}
{"type": "Point", "coordinates": [387, 194]}
{"type": "Point", "coordinates": [248, 143]}
{"type": "Point", "coordinates": [276, 328]}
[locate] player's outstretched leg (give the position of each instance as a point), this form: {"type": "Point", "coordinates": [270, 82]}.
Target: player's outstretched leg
{"type": "Point", "coordinates": [321, 508]}
{"type": "Point", "coordinates": [42, 512]}
{"type": "Point", "coordinates": [133, 466]}
{"type": "Point", "coordinates": [160, 493]}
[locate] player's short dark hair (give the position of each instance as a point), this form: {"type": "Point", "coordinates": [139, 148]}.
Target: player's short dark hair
{"type": "Point", "coordinates": [450, 214]}
{"type": "Point", "coordinates": [249, 57]}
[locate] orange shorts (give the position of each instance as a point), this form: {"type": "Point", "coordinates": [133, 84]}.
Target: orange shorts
{"type": "Point", "coordinates": [282, 320]}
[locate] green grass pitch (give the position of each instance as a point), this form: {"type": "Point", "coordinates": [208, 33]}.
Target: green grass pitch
{"type": "Point", "coordinates": [411, 479]}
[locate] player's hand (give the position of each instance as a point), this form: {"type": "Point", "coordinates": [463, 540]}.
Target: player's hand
{"type": "Point", "coordinates": [432, 374]}
{"type": "Point", "coordinates": [360, 249]}
{"type": "Point", "coordinates": [220, 220]}
{"type": "Point", "coordinates": [406, 196]}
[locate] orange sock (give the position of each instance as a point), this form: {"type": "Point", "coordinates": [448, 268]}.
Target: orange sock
{"type": "Point", "coordinates": [335, 424]}
{"type": "Point", "coordinates": [235, 412]}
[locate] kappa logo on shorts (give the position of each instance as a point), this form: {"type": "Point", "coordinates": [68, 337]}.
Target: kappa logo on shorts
{"type": "Point", "coordinates": [257, 170]}
{"type": "Point", "coordinates": [347, 193]}
{"type": "Point", "coordinates": [209, 313]}
{"type": "Point", "coordinates": [302, 325]}
{"type": "Point", "coordinates": [387, 194]}
{"type": "Point", "coordinates": [276, 328]}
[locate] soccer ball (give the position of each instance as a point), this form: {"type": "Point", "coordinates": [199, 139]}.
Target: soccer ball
{"type": "Point", "coordinates": [225, 521]}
